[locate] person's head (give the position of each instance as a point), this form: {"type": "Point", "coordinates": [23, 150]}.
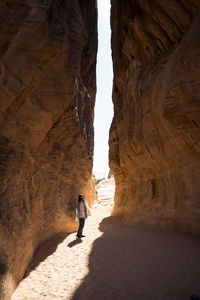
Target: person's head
{"type": "Point", "coordinates": [80, 198]}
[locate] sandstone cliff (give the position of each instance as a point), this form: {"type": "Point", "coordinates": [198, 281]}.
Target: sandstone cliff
{"type": "Point", "coordinates": [47, 73]}
{"type": "Point", "coordinates": [155, 133]}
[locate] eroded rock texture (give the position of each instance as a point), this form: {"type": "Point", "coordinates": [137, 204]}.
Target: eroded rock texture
{"type": "Point", "coordinates": [47, 73]}
{"type": "Point", "coordinates": [155, 134]}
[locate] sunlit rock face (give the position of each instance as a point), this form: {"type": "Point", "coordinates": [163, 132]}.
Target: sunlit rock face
{"type": "Point", "coordinates": [47, 73]}
{"type": "Point", "coordinates": [155, 134]}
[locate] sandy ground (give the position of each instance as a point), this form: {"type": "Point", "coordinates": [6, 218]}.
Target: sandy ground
{"type": "Point", "coordinates": [114, 261]}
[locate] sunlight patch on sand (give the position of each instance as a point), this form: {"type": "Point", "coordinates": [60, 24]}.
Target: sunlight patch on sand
{"type": "Point", "coordinates": [61, 273]}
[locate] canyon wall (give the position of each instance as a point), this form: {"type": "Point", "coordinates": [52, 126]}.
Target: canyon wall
{"type": "Point", "coordinates": [48, 86]}
{"type": "Point", "coordinates": [155, 133]}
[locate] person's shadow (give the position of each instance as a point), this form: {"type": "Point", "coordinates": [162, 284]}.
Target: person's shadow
{"type": "Point", "coordinates": [129, 263]}
{"type": "Point", "coordinates": [75, 242]}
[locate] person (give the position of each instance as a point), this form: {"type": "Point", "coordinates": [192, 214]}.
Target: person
{"type": "Point", "coordinates": [82, 215]}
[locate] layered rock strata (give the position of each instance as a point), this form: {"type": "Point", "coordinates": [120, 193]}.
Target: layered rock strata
{"type": "Point", "coordinates": [155, 133]}
{"type": "Point", "coordinates": [47, 73]}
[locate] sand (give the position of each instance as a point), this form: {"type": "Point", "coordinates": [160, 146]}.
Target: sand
{"type": "Point", "coordinates": [114, 261]}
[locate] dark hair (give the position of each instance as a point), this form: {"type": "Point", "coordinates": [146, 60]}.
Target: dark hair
{"type": "Point", "coordinates": [80, 198]}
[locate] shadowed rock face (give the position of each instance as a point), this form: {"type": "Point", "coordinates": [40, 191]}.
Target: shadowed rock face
{"type": "Point", "coordinates": [155, 134]}
{"type": "Point", "coordinates": [47, 91]}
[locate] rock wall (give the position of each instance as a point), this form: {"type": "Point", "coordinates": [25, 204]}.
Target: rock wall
{"type": "Point", "coordinates": [155, 133]}
{"type": "Point", "coordinates": [48, 86]}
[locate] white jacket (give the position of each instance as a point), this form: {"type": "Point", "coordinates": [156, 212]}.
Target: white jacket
{"type": "Point", "coordinates": [82, 210]}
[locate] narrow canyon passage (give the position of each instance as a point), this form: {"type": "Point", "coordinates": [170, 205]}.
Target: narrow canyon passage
{"type": "Point", "coordinates": [114, 261]}
{"type": "Point", "coordinates": [49, 86]}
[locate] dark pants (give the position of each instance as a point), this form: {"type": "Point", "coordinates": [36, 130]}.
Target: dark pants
{"type": "Point", "coordinates": [81, 225]}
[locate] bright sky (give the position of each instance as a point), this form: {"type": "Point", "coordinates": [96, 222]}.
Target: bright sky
{"type": "Point", "coordinates": [104, 105]}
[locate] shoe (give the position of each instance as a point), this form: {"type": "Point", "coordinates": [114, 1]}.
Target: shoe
{"type": "Point", "coordinates": [80, 236]}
